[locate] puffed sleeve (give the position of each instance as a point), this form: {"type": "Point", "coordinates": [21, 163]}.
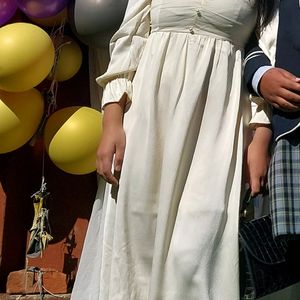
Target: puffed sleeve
{"type": "Point", "coordinates": [261, 110]}
{"type": "Point", "coordinates": [126, 48]}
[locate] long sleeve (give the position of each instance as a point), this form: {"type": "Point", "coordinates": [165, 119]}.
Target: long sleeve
{"type": "Point", "coordinates": [255, 59]}
{"type": "Point", "coordinates": [260, 54]}
{"type": "Point", "coordinates": [126, 48]}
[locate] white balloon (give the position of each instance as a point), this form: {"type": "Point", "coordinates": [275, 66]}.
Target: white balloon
{"type": "Point", "coordinates": [98, 40]}
{"type": "Point", "coordinates": [95, 16]}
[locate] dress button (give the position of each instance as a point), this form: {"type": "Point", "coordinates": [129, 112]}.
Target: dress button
{"type": "Point", "coordinates": [191, 29]}
{"type": "Point", "coordinates": [198, 13]}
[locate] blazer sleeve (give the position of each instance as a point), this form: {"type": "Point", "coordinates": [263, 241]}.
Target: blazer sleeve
{"type": "Point", "coordinates": [126, 48]}
{"type": "Point", "coordinates": [260, 53]}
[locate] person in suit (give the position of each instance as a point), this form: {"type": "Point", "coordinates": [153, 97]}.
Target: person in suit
{"type": "Point", "coordinates": [272, 72]}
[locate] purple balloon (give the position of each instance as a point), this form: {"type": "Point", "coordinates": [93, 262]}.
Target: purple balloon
{"type": "Point", "coordinates": [7, 10]}
{"type": "Point", "coordinates": [42, 8]}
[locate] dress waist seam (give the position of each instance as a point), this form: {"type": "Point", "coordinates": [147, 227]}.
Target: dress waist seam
{"type": "Point", "coordinates": [194, 31]}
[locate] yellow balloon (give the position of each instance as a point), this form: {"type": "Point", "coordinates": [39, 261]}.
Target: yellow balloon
{"type": "Point", "coordinates": [71, 138]}
{"type": "Point", "coordinates": [56, 20]}
{"type": "Point", "coordinates": [26, 56]}
{"type": "Point", "coordinates": [20, 116]}
{"type": "Point", "coordinates": [69, 59]}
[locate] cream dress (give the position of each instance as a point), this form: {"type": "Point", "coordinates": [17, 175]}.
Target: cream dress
{"type": "Point", "coordinates": [170, 232]}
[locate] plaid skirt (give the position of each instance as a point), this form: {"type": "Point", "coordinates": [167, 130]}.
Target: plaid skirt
{"type": "Point", "coordinates": [284, 186]}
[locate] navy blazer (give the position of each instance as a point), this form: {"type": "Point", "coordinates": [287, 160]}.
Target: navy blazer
{"type": "Point", "coordinates": [287, 57]}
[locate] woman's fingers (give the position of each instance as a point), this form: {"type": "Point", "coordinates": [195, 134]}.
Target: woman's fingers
{"type": "Point", "coordinates": [119, 156]}
{"type": "Point", "coordinates": [111, 149]}
{"type": "Point", "coordinates": [255, 186]}
{"type": "Point", "coordinates": [106, 165]}
{"type": "Point", "coordinates": [107, 174]}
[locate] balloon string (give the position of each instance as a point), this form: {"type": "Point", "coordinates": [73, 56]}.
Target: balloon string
{"type": "Point", "coordinates": [51, 98]}
{"type": "Point", "coordinates": [43, 184]}
{"type": "Point", "coordinates": [51, 93]}
{"type": "Point", "coordinates": [60, 30]}
{"type": "Point", "coordinates": [57, 36]}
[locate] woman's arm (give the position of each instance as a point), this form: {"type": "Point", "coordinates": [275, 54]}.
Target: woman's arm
{"type": "Point", "coordinates": [126, 48]}
{"type": "Point", "coordinates": [113, 140]}
{"type": "Point", "coordinates": [258, 158]}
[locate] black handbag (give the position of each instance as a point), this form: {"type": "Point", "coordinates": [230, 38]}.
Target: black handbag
{"type": "Point", "coordinates": [267, 264]}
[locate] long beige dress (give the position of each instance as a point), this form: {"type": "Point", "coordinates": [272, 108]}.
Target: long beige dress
{"type": "Point", "coordinates": [170, 232]}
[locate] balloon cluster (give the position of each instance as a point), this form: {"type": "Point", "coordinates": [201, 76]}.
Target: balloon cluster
{"type": "Point", "coordinates": [30, 55]}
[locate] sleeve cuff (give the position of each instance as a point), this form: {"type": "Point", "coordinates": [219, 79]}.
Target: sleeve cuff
{"type": "Point", "coordinates": [114, 91]}
{"type": "Point", "coordinates": [261, 112]}
{"type": "Point", "coordinates": [257, 77]}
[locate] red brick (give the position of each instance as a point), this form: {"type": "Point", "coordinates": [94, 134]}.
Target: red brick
{"type": "Point", "coordinates": [26, 282]}
{"type": "Point", "coordinates": [33, 297]}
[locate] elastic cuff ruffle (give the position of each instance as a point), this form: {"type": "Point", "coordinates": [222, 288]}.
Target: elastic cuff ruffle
{"type": "Point", "coordinates": [261, 112]}
{"type": "Point", "coordinates": [115, 90]}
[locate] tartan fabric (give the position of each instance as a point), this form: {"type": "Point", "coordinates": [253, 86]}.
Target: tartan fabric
{"type": "Point", "coordinates": [284, 186]}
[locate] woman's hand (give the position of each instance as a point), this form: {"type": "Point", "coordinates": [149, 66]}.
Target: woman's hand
{"type": "Point", "coordinates": [258, 159]}
{"type": "Point", "coordinates": [111, 148]}
{"type": "Point", "coordinates": [112, 145]}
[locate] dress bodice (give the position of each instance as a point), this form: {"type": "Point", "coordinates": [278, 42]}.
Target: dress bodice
{"type": "Point", "coordinates": [225, 19]}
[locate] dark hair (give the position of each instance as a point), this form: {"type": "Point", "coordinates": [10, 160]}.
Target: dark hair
{"type": "Point", "coordinates": [266, 9]}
